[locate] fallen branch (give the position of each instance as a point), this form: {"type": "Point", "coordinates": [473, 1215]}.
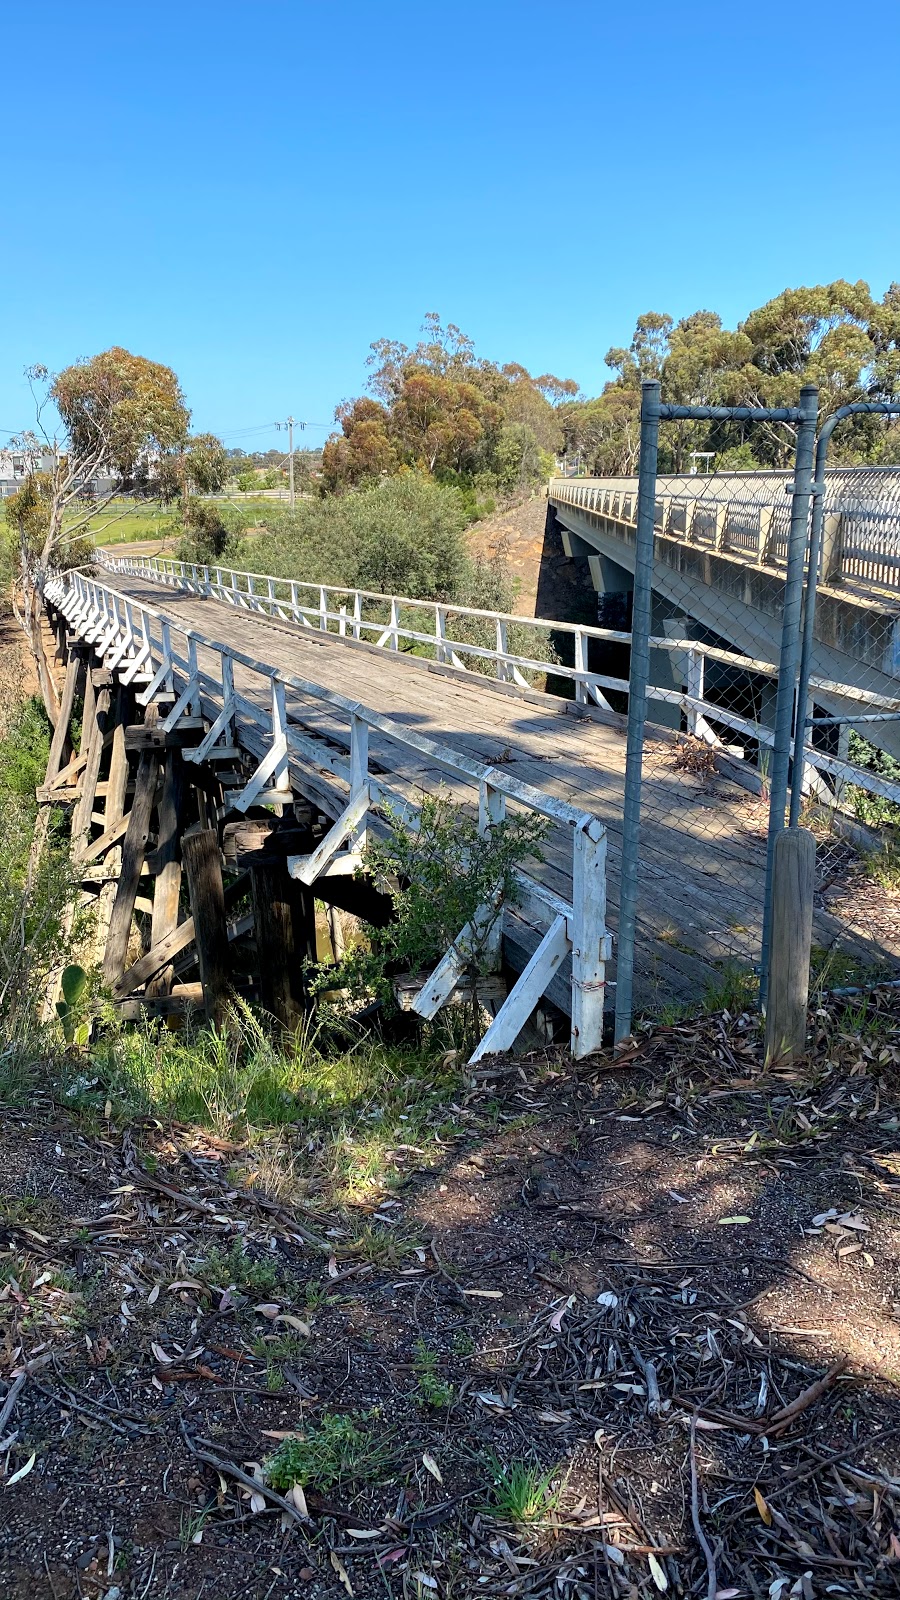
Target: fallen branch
{"type": "Point", "coordinates": [222, 1464]}
{"type": "Point", "coordinates": [12, 1395]}
{"type": "Point", "coordinates": [808, 1396]}
{"type": "Point", "coordinates": [712, 1578]}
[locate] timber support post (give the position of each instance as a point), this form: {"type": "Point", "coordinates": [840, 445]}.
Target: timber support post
{"type": "Point", "coordinates": [134, 851]}
{"type": "Point", "coordinates": [167, 888]}
{"type": "Point", "coordinates": [203, 866]}
{"type": "Point", "coordinates": [284, 917]}
{"type": "Point", "coordinates": [793, 885]}
{"type": "Point", "coordinates": [60, 747]}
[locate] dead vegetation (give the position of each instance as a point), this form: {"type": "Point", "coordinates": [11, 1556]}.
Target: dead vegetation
{"type": "Point", "coordinates": [628, 1329]}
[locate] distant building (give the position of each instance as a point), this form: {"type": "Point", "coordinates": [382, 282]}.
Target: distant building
{"type": "Point", "coordinates": [15, 465]}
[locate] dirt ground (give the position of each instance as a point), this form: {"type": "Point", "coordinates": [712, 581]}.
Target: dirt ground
{"type": "Point", "coordinates": [664, 1295]}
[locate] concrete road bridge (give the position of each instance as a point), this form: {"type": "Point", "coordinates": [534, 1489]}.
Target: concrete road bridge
{"type": "Point", "coordinates": [720, 565]}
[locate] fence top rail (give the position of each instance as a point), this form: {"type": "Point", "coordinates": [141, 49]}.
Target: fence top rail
{"type": "Point", "coordinates": [697, 647]}
{"type": "Point", "coordinates": [861, 491]}
{"type": "Point", "coordinates": [452, 760]}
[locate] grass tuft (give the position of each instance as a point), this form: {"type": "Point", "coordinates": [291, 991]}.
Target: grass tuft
{"type": "Point", "coordinates": [342, 1448]}
{"type": "Point", "coordinates": [521, 1493]}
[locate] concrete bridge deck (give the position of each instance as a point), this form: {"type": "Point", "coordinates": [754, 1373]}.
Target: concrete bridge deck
{"type": "Point", "coordinates": [703, 839]}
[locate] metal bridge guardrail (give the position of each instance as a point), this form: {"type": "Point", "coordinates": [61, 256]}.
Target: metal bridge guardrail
{"type": "Point", "coordinates": [862, 508]}
{"type": "Point", "coordinates": [138, 642]}
{"type": "Point", "coordinates": [342, 611]}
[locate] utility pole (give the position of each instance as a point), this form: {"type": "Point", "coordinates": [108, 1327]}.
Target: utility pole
{"type": "Point", "coordinates": [291, 458]}
{"type": "Point", "coordinates": [290, 424]}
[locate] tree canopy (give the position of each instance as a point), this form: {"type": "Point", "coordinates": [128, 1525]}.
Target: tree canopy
{"type": "Point", "coordinates": [442, 409]}
{"type": "Point", "coordinates": [836, 335]}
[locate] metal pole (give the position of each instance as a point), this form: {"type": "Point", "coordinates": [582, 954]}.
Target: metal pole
{"type": "Point", "coordinates": [291, 458]}
{"type": "Point", "coordinates": [638, 677]}
{"type": "Point", "coordinates": [790, 650]}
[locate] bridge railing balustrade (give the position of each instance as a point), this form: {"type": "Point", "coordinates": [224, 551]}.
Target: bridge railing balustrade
{"type": "Point", "coordinates": [717, 694]}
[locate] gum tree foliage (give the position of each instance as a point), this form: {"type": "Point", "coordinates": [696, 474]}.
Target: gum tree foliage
{"type": "Point", "coordinates": [115, 412]}
{"type": "Point", "coordinates": [836, 335]}
{"type": "Point", "coordinates": [442, 409]}
{"type": "Point", "coordinates": [124, 424]}
{"type": "Point", "coordinates": [402, 535]}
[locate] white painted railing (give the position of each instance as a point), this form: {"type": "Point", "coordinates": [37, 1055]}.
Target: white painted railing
{"type": "Point", "coordinates": [388, 621]}
{"type": "Point", "coordinates": [146, 648]}
{"type": "Point", "coordinates": [748, 515]}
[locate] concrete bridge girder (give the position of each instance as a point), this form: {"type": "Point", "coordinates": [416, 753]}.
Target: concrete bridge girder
{"type": "Point", "coordinates": [857, 640]}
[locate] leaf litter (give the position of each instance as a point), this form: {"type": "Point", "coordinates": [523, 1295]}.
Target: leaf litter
{"type": "Point", "coordinates": [697, 1416]}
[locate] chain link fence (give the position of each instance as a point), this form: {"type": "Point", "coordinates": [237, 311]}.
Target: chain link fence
{"type": "Point", "coordinates": [718, 611]}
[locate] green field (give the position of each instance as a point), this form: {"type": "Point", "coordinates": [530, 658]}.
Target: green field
{"type": "Point", "coordinates": [122, 521]}
{"type": "Point", "coordinates": [125, 522]}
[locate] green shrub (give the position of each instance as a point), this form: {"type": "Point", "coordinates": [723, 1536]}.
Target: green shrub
{"type": "Point", "coordinates": [448, 883]}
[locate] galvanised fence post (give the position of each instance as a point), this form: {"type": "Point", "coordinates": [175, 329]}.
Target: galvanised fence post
{"type": "Point", "coordinates": [638, 677]}
{"type": "Point", "coordinates": [789, 659]}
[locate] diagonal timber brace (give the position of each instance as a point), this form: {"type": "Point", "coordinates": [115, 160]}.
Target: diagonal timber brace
{"type": "Point", "coordinates": [525, 994]}
{"type": "Point", "coordinates": [309, 868]}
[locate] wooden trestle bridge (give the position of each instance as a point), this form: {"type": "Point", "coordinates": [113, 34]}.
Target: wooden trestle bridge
{"type": "Point", "coordinates": [250, 733]}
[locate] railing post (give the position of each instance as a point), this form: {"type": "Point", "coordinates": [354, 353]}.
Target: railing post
{"type": "Point", "coordinates": [279, 735]}
{"type": "Point", "coordinates": [491, 810]}
{"type": "Point", "coordinates": [720, 536]}
{"type": "Point", "coordinates": [395, 625]}
{"type": "Point", "coordinates": [589, 936]}
{"type": "Point", "coordinates": [503, 670]}
{"type": "Point", "coordinates": [295, 603]}
{"type": "Point", "coordinates": [193, 678]}
{"type": "Point", "coordinates": [271, 592]}
{"type": "Point", "coordinates": [764, 547]}
{"type": "Point", "coordinates": [582, 693]}
{"type": "Point", "coordinates": [166, 647]}
{"type": "Point", "coordinates": [440, 633]}
{"type": "Point", "coordinates": [323, 608]}
{"type": "Point", "coordinates": [357, 614]}
{"type": "Point", "coordinates": [696, 675]}
{"type": "Point", "coordinates": [342, 622]}
{"type": "Point", "coordinates": [832, 546]}
{"type": "Point", "coordinates": [359, 769]}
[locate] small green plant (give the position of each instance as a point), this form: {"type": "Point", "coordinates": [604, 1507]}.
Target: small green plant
{"type": "Point", "coordinates": [883, 866]}
{"type": "Point", "coordinates": [448, 881]}
{"type": "Point", "coordinates": [520, 1492]}
{"type": "Point", "coordinates": [236, 1266]}
{"type": "Point", "coordinates": [70, 1009]}
{"type": "Point", "coordinates": [433, 1391]}
{"type": "Point", "coordinates": [341, 1448]}
{"type": "Point", "coordinates": [191, 1525]}
{"type": "Point", "coordinates": [274, 1377]}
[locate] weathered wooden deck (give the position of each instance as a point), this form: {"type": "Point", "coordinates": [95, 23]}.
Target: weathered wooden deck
{"type": "Point", "coordinates": [703, 847]}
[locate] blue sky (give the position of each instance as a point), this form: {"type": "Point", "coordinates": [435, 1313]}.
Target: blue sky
{"type": "Point", "coordinates": [252, 193]}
